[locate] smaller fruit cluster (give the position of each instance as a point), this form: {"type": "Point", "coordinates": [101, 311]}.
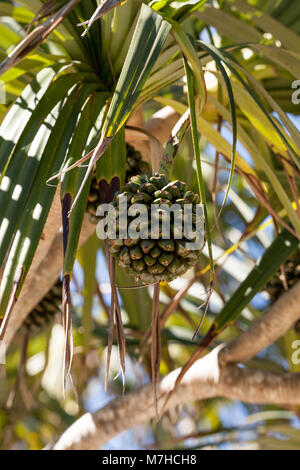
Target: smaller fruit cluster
{"type": "Point", "coordinates": [45, 311]}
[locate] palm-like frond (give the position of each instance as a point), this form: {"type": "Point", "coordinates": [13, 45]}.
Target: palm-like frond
{"type": "Point", "coordinates": [68, 95]}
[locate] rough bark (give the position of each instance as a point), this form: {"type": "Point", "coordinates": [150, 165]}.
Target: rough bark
{"type": "Point", "coordinates": [211, 376]}
{"type": "Point", "coordinates": [40, 280]}
{"type": "Point", "coordinates": [206, 379]}
{"type": "Point", "coordinates": [281, 317]}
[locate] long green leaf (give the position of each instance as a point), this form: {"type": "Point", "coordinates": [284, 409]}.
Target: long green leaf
{"type": "Point", "coordinates": [176, 10]}
{"type": "Point", "coordinates": [148, 39]}
{"type": "Point", "coordinates": [87, 256]}
{"type": "Point", "coordinates": [112, 163]}
{"type": "Point", "coordinates": [35, 211]}
{"type": "Point", "coordinates": [147, 42]}
{"type": "Point", "coordinates": [195, 138]}
{"type": "Point", "coordinates": [194, 64]}
{"type": "Point", "coordinates": [87, 127]}
{"type": "Point", "coordinates": [19, 114]}
{"type": "Point", "coordinates": [23, 164]}
{"type": "Point", "coordinates": [281, 248]}
{"type": "Point", "coordinates": [218, 59]}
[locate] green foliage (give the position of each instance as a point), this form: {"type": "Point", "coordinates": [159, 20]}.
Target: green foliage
{"type": "Point", "coordinates": [227, 66]}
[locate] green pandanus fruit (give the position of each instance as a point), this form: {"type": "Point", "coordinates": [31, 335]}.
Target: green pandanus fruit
{"type": "Point", "coordinates": [44, 312]}
{"type": "Point", "coordinates": [104, 192]}
{"type": "Point", "coordinates": [155, 258]}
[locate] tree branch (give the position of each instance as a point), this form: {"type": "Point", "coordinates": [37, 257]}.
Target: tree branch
{"type": "Point", "coordinates": [42, 275]}
{"type": "Point", "coordinates": [205, 379]}
{"type": "Point", "coordinates": [211, 376]}
{"type": "Point", "coordinates": [271, 326]}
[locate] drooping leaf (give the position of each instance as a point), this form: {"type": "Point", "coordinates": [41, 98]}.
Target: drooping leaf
{"type": "Point", "coordinates": [21, 162]}
{"type": "Point", "coordinates": [280, 249]}
{"type": "Point", "coordinates": [176, 10]}
{"type": "Point", "coordinates": [148, 39]}
{"type": "Point", "coordinates": [35, 211]}
{"type": "Point", "coordinates": [87, 258]}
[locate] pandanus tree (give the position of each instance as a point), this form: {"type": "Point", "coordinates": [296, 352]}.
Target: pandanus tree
{"type": "Point", "coordinates": [82, 84]}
